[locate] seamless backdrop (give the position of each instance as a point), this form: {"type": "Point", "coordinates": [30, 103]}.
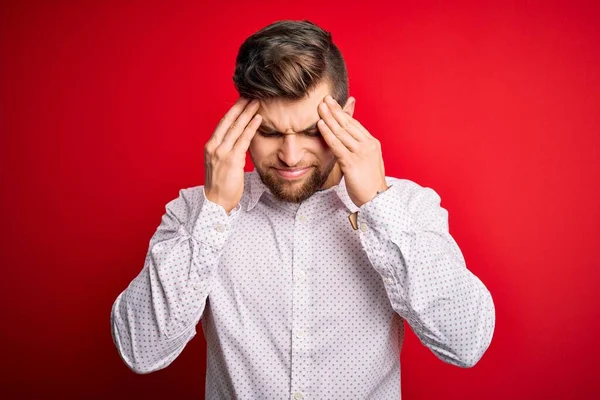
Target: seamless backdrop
{"type": "Point", "coordinates": [105, 108]}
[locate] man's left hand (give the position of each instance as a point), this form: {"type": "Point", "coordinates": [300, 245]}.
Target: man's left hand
{"type": "Point", "coordinates": [357, 151]}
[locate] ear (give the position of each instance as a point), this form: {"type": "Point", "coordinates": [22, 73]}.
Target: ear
{"type": "Point", "coordinates": [349, 107]}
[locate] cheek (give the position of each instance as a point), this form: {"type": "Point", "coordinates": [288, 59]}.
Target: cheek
{"type": "Point", "coordinates": [261, 149]}
{"type": "Point", "coordinates": [253, 145]}
{"type": "Point", "coordinates": [322, 146]}
{"type": "Point", "coordinates": [321, 150]}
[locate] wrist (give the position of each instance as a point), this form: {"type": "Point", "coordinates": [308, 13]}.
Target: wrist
{"type": "Point", "coordinates": [227, 206]}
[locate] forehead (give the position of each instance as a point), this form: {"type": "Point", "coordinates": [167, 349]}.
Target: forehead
{"type": "Point", "coordinates": [290, 116]}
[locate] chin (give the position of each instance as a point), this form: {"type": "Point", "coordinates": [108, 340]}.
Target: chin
{"type": "Point", "coordinates": [291, 190]}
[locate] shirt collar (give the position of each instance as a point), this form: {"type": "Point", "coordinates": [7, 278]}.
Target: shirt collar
{"type": "Point", "coordinates": [257, 188]}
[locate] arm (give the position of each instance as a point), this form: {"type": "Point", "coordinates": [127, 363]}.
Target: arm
{"type": "Point", "coordinates": [156, 316]}
{"type": "Point", "coordinates": [407, 241]}
{"type": "Point", "coordinates": [404, 232]}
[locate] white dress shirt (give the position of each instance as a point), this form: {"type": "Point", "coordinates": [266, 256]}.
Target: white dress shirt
{"type": "Point", "coordinates": [295, 303]}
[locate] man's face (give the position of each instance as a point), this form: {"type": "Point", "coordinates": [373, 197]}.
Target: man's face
{"type": "Point", "coordinates": [289, 154]}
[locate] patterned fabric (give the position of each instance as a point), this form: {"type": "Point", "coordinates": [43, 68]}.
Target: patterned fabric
{"type": "Point", "coordinates": [296, 304]}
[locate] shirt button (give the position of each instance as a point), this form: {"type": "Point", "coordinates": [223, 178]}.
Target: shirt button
{"type": "Point", "coordinates": [300, 275]}
{"type": "Point", "coordinates": [300, 334]}
{"type": "Point", "coordinates": [197, 286]}
{"type": "Point", "coordinates": [302, 218]}
{"type": "Point", "coordinates": [364, 227]}
{"type": "Point", "coordinates": [298, 396]}
{"type": "Point", "coordinates": [220, 228]}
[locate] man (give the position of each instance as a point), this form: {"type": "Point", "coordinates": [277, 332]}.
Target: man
{"type": "Point", "coordinates": [303, 270]}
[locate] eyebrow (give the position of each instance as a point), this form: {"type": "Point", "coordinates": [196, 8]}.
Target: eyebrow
{"type": "Point", "coordinates": [269, 130]}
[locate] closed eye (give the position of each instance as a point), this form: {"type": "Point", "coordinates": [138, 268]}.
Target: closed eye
{"type": "Point", "coordinates": [313, 133]}
{"type": "Point", "coordinates": [269, 134]}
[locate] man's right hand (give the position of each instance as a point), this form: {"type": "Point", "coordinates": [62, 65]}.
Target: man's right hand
{"type": "Point", "coordinates": [225, 153]}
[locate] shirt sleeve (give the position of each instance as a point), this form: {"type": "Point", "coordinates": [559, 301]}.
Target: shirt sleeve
{"type": "Point", "coordinates": [404, 232]}
{"type": "Point", "coordinates": [156, 315]}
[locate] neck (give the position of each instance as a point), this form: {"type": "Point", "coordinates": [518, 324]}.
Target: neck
{"type": "Point", "coordinates": [334, 178]}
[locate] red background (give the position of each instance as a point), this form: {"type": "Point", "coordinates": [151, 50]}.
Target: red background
{"type": "Point", "coordinates": [105, 108]}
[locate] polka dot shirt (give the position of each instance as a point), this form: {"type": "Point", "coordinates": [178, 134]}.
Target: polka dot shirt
{"type": "Point", "coordinates": [294, 302]}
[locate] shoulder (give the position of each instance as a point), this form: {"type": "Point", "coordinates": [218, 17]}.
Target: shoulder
{"type": "Point", "coordinates": [407, 187]}
{"type": "Point", "coordinates": [411, 194]}
{"type": "Point", "coordinates": [190, 196]}
{"type": "Point", "coordinates": [195, 194]}
{"type": "Point", "coordinates": [186, 206]}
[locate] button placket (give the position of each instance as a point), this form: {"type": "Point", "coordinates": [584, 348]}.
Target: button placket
{"type": "Point", "coordinates": [300, 276]}
{"type": "Point", "coordinates": [300, 334]}
{"type": "Point", "coordinates": [301, 309]}
{"type": "Point", "coordinates": [220, 228]}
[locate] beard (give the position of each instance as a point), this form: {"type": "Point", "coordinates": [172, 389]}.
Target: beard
{"type": "Point", "coordinates": [294, 191]}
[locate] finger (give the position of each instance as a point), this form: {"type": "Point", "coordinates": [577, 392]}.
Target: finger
{"type": "Point", "coordinates": [243, 142]}
{"type": "Point", "coordinates": [362, 128]}
{"type": "Point", "coordinates": [343, 136]}
{"type": "Point", "coordinates": [338, 148]}
{"type": "Point", "coordinates": [231, 115]}
{"type": "Point", "coordinates": [238, 126]}
{"type": "Point", "coordinates": [343, 119]}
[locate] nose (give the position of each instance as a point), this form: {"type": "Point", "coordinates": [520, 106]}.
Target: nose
{"type": "Point", "coordinates": [291, 151]}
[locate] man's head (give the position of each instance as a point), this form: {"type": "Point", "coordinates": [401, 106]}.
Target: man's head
{"type": "Point", "coordinates": [290, 66]}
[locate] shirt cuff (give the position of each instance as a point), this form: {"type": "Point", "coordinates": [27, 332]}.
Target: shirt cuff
{"type": "Point", "coordinates": [385, 214]}
{"type": "Point", "coordinates": [213, 225]}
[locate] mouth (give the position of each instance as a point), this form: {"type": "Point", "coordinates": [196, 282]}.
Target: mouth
{"type": "Point", "coordinates": [292, 173]}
